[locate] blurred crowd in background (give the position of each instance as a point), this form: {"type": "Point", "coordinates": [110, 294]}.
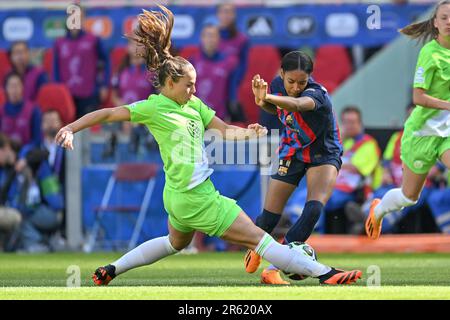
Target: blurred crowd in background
{"type": "Point", "coordinates": [78, 75]}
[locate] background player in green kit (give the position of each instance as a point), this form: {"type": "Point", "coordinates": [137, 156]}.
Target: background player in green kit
{"type": "Point", "coordinates": [177, 120]}
{"type": "Point", "coordinates": [426, 135]}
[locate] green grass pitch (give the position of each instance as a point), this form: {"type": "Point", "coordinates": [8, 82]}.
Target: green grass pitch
{"type": "Point", "coordinates": [220, 276]}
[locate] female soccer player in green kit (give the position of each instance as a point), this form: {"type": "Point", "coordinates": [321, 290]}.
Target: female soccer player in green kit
{"type": "Point", "coordinates": [426, 136]}
{"type": "Point", "coordinates": [177, 120]}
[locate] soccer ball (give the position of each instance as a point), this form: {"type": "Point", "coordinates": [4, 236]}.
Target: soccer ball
{"type": "Point", "coordinates": [304, 249]}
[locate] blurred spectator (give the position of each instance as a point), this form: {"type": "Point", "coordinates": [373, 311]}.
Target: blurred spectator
{"type": "Point", "coordinates": [33, 77]}
{"type": "Point", "coordinates": [213, 71]}
{"type": "Point", "coordinates": [81, 63]}
{"type": "Point", "coordinates": [359, 165]}
{"type": "Point", "coordinates": [10, 217]}
{"type": "Point", "coordinates": [439, 203]}
{"type": "Point", "coordinates": [20, 119]}
{"type": "Point", "coordinates": [133, 82]}
{"type": "Point", "coordinates": [51, 123]}
{"type": "Point", "coordinates": [37, 194]}
{"type": "Point", "coordinates": [234, 43]}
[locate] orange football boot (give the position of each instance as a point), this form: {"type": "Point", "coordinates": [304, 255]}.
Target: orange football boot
{"type": "Point", "coordinates": [373, 226]}
{"type": "Point", "coordinates": [252, 261]}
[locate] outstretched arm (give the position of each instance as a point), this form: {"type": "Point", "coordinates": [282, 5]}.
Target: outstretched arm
{"type": "Point", "coordinates": [291, 104]}
{"type": "Point", "coordinates": [230, 132]}
{"type": "Point", "coordinates": [65, 136]}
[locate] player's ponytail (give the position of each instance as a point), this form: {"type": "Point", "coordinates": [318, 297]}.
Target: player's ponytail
{"type": "Point", "coordinates": [153, 34]}
{"type": "Point", "coordinates": [424, 31]}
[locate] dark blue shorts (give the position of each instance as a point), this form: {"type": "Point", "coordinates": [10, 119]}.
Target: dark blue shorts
{"type": "Point", "coordinates": [292, 171]}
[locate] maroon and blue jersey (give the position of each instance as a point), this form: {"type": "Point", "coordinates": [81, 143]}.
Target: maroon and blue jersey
{"type": "Point", "coordinates": [310, 136]}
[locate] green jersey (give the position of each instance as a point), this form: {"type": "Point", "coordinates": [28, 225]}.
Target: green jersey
{"type": "Point", "coordinates": [179, 131]}
{"type": "Point", "coordinates": [432, 75]}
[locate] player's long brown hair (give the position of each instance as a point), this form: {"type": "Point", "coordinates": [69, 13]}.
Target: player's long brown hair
{"type": "Point", "coordinates": [425, 30]}
{"type": "Point", "coordinates": [153, 33]}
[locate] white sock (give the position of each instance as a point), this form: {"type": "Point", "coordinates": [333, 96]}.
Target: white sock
{"type": "Point", "coordinates": [288, 260]}
{"type": "Point", "coordinates": [272, 267]}
{"type": "Point", "coordinates": [393, 200]}
{"type": "Point", "coordinates": [146, 253]}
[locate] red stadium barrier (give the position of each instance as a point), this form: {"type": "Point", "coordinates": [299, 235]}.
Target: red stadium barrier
{"type": "Point", "coordinates": [399, 243]}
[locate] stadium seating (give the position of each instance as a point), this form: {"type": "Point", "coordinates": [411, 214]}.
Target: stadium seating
{"type": "Point", "coordinates": [263, 60]}
{"type": "Point", "coordinates": [116, 58]}
{"type": "Point", "coordinates": [57, 96]}
{"type": "Point", "coordinates": [125, 173]}
{"type": "Point", "coordinates": [5, 65]}
{"type": "Point", "coordinates": [332, 66]}
{"type": "Point", "coordinates": [189, 51]}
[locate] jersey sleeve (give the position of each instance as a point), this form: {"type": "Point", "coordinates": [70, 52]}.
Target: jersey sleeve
{"type": "Point", "coordinates": [318, 95]}
{"type": "Point", "coordinates": [424, 70]}
{"type": "Point", "coordinates": [206, 113]}
{"type": "Point", "coordinates": [140, 111]}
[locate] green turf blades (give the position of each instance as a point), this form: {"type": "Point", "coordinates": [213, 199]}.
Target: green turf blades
{"type": "Point", "coordinates": [219, 276]}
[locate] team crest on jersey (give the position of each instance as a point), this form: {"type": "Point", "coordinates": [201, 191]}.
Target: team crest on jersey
{"type": "Point", "coordinates": [418, 164]}
{"type": "Point", "coordinates": [284, 167]}
{"type": "Point", "coordinates": [193, 129]}
{"type": "Point", "coordinates": [289, 120]}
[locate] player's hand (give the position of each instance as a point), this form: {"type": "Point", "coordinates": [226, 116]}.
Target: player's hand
{"type": "Point", "coordinates": [64, 138]}
{"type": "Point", "coordinates": [259, 129]}
{"type": "Point", "coordinates": [259, 89]}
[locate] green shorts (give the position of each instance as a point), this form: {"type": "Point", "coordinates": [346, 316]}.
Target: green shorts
{"type": "Point", "coordinates": [201, 209]}
{"type": "Point", "coordinates": [420, 154]}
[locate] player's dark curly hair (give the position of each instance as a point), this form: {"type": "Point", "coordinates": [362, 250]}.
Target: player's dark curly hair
{"type": "Point", "coordinates": [153, 33]}
{"type": "Point", "coordinates": [297, 60]}
{"type": "Point", "coordinates": [425, 30]}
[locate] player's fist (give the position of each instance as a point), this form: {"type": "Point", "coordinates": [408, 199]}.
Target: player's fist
{"type": "Point", "coordinates": [259, 129]}
{"type": "Point", "coordinates": [64, 138]}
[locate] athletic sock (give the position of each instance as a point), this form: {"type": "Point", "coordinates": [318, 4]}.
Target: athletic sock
{"type": "Point", "coordinates": [304, 226]}
{"type": "Point", "coordinates": [289, 260]}
{"type": "Point", "coordinates": [146, 253]}
{"type": "Point", "coordinates": [393, 200]}
{"type": "Point", "coordinates": [267, 220]}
